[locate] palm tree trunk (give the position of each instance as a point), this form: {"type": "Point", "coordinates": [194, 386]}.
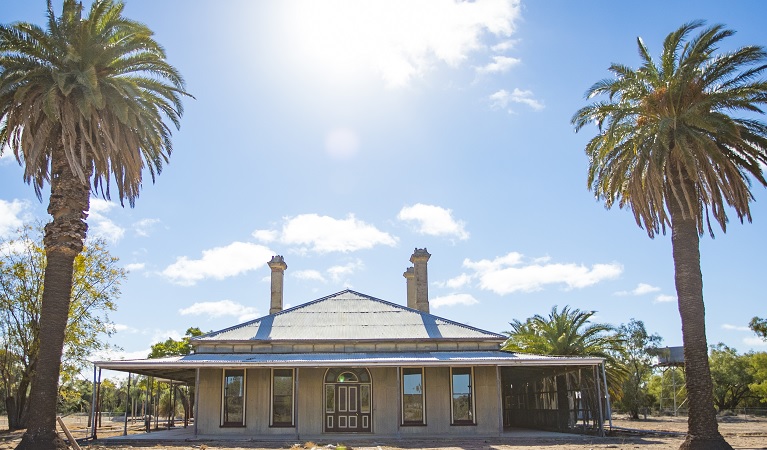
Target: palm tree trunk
{"type": "Point", "coordinates": [702, 429]}
{"type": "Point", "coordinates": [64, 238]}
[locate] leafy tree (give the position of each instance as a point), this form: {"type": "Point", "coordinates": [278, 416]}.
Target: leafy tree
{"type": "Point", "coordinates": [96, 286]}
{"type": "Point", "coordinates": [172, 347]}
{"type": "Point", "coordinates": [757, 363]}
{"type": "Point", "coordinates": [731, 376]}
{"type": "Point", "coordinates": [638, 360]}
{"type": "Point", "coordinates": [82, 107]}
{"type": "Point", "coordinates": [759, 326]}
{"type": "Point", "coordinates": [75, 395]}
{"type": "Point", "coordinates": [671, 150]}
{"type": "Point", "coordinates": [566, 333]}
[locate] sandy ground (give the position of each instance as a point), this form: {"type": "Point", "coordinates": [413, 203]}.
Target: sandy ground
{"type": "Point", "coordinates": [651, 434]}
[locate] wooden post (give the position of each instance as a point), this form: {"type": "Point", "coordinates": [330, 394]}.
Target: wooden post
{"type": "Point", "coordinates": [607, 394]}
{"type": "Point", "coordinates": [97, 417]}
{"type": "Point", "coordinates": [599, 401]}
{"type": "Point", "coordinates": [92, 415]}
{"type": "Point", "coordinates": [127, 407]}
{"type": "Point", "coordinates": [156, 408]}
{"type": "Point", "coordinates": [146, 406]}
{"type": "Point", "coordinates": [196, 397]}
{"type": "Point", "coordinates": [72, 442]}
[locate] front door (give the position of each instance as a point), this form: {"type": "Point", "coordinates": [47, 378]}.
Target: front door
{"type": "Point", "coordinates": [347, 401]}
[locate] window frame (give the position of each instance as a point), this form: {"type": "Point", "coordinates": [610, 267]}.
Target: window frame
{"type": "Point", "coordinates": [410, 423]}
{"type": "Point", "coordinates": [292, 422]}
{"type": "Point", "coordinates": [472, 401]}
{"type": "Point", "coordinates": [244, 386]}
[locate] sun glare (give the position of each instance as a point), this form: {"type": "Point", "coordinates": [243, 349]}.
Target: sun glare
{"type": "Point", "coordinates": [394, 40]}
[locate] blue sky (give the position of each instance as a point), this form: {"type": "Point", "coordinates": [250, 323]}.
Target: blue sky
{"type": "Point", "coordinates": [342, 135]}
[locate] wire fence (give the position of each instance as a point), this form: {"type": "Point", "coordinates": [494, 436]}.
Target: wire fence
{"type": "Point", "coordinates": [682, 412]}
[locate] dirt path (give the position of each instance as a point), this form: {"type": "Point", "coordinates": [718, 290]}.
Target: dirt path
{"type": "Point", "coordinates": [740, 432]}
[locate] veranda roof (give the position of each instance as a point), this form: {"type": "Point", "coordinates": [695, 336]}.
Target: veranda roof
{"type": "Point", "coordinates": [183, 368]}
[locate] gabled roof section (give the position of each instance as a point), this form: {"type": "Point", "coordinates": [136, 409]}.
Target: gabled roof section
{"type": "Point", "coordinates": [349, 315]}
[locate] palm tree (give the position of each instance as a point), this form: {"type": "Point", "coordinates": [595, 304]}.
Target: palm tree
{"type": "Point", "coordinates": [82, 107]}
{"type": "Point", "coordinates": [567, 333]}
{"type": "Point", "coordinates": [671, 150]}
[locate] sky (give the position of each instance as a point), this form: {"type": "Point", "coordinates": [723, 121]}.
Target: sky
{"type": "Point", "coordinates": [343, 135]}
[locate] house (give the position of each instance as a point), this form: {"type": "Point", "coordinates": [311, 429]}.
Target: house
{"type": "Point", "coordinates": [353, 363]}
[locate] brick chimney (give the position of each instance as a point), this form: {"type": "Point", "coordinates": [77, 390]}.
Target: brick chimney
{"type": "Point", "coordinates": [410, 277]}
{"type": "Point", "coordinates": [419, 259]}
{"type": "Point", "coordinates": [278, 266]}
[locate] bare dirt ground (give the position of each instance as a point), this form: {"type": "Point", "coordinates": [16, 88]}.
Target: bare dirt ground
{"type": "Point", "coordinates": [655, 433]}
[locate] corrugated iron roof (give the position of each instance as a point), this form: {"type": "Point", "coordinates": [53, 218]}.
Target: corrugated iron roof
{"type": "Point", "coordinates": [452, 358]}
{"type": "Point", "coordinates": [349, 315]}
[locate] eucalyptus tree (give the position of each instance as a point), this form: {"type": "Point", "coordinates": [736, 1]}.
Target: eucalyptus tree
{"type": "Point", "coordinates": [759, 326]}
{"type": "Point", "coordinates": [95, 289]}
{"type": "Point", "coordinates": [671, 149]}
{"type": "Point", "coordinates": [637, 358]}
{"type": "Point", "coordinates": [83, 105]}
{"type": "Point", "coordinates": [568, 332]}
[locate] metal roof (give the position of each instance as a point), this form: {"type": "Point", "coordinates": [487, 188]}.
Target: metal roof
{"type": "Point", "coordinates": [348, 315]}
{"type": "Point", "coordinates": [437, 358]}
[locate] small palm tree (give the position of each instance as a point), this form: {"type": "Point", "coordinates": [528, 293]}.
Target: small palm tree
{"type": "Point", "coordinates": [82, 107]}
{"type": "Point", "coordinates": [567, 333]}
{"type": "Point", "coordinates": [670, 149]}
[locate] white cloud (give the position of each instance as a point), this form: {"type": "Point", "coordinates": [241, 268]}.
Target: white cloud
{"type": "Point", "coordinates": [324, 234]}
{"type": "Point", "coordinates": [641, 289]}
{"type": "Point", "coordinates": [459, 281]}
{"type": "Point", "coordinates": [6, 154]}
{"type": "Point", "coordinates": [313, 275]}
{"type": "Point", "coordinates": [117, 355]}
{"type": "Point", "coordinates": [99, 205]}
{"type": "Point", "coordinates": [265, 236]}
{"type": "Point", "coordinates": [118, 327]}
{"type": "Point", "coordinates": [144, 226]}
{"type": "Point", "coordinates": [503, 99]}
{"type": "Point", "coordinates": [218, 263]}
{"type": "Point", "coordinates": [220, 309]}
{"type": "Point", "coordinates": [434, 220]}
{"type": "Point", "coordinates": [755, 342]}
{"type": "Point", "coordinates": [503, 46]}
{"type": "Point", "coordinates": [134, 267]}
{"type": "Point", "coordinates": [663, 298]}
{"type": "Point", "coordinates": [101, 226]}
{"type": "Point", "coordinates": [12, 216]}
{"type": "Point", "coordinates": [397, 40]}
{"type": "Point", "coordinates": [452, 300]}
{"type": "Point", "coordinates": [500, 64]}
{"type": "Point", "coordinates": [507, 274]}
{"type": "Point", "coordinates": [336, 273]}
{"type": "Point", "coordinates": [727, 326]}
{"type": "Point", "coordinates": [342, 143]}
{"type": "Point", "coordinates": [164, 335]}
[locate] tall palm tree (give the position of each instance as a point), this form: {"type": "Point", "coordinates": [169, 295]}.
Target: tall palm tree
{"type": "Point", "coordinates": [567, 333]}
{"type": "Point", "coordinates": [82, 107]}
{"type": "Point", "coordinates": [671, 149]}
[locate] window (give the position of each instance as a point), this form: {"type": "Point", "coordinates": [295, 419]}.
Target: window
{"type": "Point", "coordinates": [233, 398]}
{"type": "Point", "coordinates": [412, 397]}
{"type": "Point", "coordinates": [282, 397]}
{"type": "Point", "coordinates": [462, 406]}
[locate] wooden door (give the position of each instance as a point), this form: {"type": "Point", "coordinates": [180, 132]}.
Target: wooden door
{"type": "Point", "coordinates": [347, 407]}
